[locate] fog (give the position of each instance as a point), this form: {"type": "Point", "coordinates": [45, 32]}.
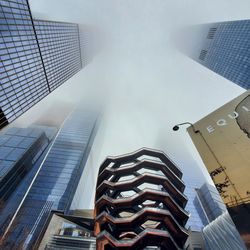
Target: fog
{"type": "Point", "coordinates": [144, 84]}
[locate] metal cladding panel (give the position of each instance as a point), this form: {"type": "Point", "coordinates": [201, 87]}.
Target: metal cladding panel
{"type": "Point", "coordinates": [214, 234]}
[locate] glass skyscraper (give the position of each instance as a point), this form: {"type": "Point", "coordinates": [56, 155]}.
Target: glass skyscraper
{"type": "Point", "coordinates": [204, 204]}
{"type": "Point", "coordinates": [197, 219]}
{"type": "Point", "coordinates": [210, 226]}
{"type": "Point", "coordinates": [225, 49]}
{"type": "Point", "coordinates": [36, 57]}
{"type": "Point", "coordinates": [60, 48]}
{"type": "Point", "coordinates": [57, 180]}
{"type": "Point", "coordinates": [21, 151]}
{"type": "Point", "coordinates": [211, 201]}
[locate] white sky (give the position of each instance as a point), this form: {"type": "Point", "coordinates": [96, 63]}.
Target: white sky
{"type": "Point", "coordinates": [144, 82]}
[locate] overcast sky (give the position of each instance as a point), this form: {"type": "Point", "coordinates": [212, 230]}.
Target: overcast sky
{"type": "Point", "coordinates": [144, 82]}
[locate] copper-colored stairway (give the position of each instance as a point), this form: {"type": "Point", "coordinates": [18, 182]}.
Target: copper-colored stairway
{"type": "Point", "coordinates": [140, 202]}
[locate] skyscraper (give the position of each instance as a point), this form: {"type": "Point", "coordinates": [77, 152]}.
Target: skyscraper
{"type": "Point", "coordinates": [140, 202]}
{"type": "Point", "coordinates": [56, 180]}
{"type": "Point", "coordinates": [197, 220]}
{"type": "Point", "coordinates": [21, 151]}
{"type": "Point", "coordinates": [60, 49]}
{"type": "Point", "coordinates": [36, 57]}
{"type": "Point", "coordinates": [209, 220]}
{"type": "Point", "coordinates": [19, 148]}
{"type": "Point", "coordinates": [211, 202]}
{"type": "Point", "coordinates": [225, 49]}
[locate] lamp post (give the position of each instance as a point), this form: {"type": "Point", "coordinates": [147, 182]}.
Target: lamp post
{"type": "Point", "coordinates": [177, 126]}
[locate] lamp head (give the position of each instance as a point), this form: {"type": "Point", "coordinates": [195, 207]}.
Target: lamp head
{"type": "Point", "coordinates": [176, 127]}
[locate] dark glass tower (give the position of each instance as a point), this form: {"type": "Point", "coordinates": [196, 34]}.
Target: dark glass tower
{"type": "Point", "coordinates": [36, 57]}
{"type": "Point", "coordinates": [225, 49]}
{"type": "Point", "coordinates": [56, 181]}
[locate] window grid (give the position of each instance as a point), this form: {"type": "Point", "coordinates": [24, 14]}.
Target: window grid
{"type": "Point", "coordinates": [23, 80]}
{"type": "Point", "coordinates": [229, 51]}
{"type": "Point", "coordinates": [59, 176]}
{"type": "Point", "coordinates": [59, 44]}
{"type": "Point", "coordinates": [33, 62]}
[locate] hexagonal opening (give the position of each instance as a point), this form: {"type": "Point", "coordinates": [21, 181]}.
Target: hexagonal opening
{"type": "Point", "coordinates": [126, 178]}
{"type": "Point", "coordinates": [150, 224]}
{"type": "Point", "coordinates": [149, 186]}
{"type": "Point", "coordinates": [125, 194]}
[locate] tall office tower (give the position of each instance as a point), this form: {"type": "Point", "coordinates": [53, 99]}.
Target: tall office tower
{"type": "Point", "coordinates": [197, 218]}
{"type": "Point", "coordinates": [36, 57]}
{"type": "Point", "coordinates": [224, 48]}
{"type": "Point", "coordinates": [140, 202]}
{"type": "Point", "coordinates": [211, 202]}
{"type": "Point", "coordinates": [19, 149]}
{"type": "Point", "coordinates": [219, 221]}
{"type": "Point", "coordinates": [21, 152]}
{"type": "Point", "coordinates": [56, 181]}
{"type": "Point", "coordinates": [209, 220]}
{"type": "Point", "coordinates": [60, 49]}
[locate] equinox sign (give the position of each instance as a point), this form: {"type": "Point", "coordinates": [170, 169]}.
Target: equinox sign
{"type": "Point", "coordinates": [223, 121]}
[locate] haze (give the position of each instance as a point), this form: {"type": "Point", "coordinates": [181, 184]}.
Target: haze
{"type": "Point", "coordinates": [144, 84]}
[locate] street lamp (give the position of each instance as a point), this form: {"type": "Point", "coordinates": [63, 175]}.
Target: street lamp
{"type": "Point", "coordinates": [177, 126]}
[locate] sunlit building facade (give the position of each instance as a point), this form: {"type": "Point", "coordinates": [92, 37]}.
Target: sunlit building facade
{"type": "Point", "coordinates": [223, 143]}
{"type": "Point", "coordinates": [31, 64]}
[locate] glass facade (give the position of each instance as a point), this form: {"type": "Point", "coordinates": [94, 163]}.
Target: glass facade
{"type": "Point", "coordinates": [209, 222]}
{"type": "Point", "coordinates": [204, 204]}
{"type": "Point", "coordinates": [19, 149]}
{"type": "Point", "coordinates": [23, 81]}
{"type": "Point", "coordinates": [60, 49]}
{"type": "Point", "coordinates": [24, 148]}
{"type": "Point", "coordinates": [211, 201]}
{"type": "Point", "coordinates": [197, 219]}
{"type": "Point", "coordinates": [57, 180]}
{"type": "Point", "coordinates": [35, 59]}
{"type": "Point", "coordinates": [226, 51]}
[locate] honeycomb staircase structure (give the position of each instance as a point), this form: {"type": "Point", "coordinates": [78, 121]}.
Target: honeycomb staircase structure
{"type": "Point", "coordinates": [140, 203]}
